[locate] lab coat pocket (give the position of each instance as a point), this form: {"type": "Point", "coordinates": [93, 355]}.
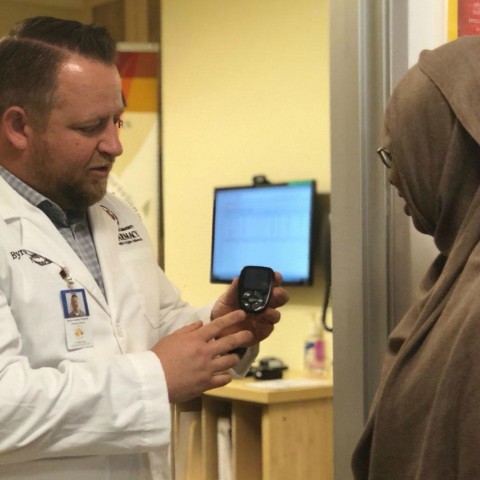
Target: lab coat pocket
{"type": "Point", "coordinates": [142, 270]}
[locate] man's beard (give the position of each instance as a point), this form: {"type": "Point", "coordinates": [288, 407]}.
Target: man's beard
{"type": "Point", "coordinates": [80, 198]}
{"type": "Point", "coordinates": [68, 194]}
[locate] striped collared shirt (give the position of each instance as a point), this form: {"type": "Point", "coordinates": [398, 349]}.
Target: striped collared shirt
{"type": "Point", "coordinates": [73, 224]}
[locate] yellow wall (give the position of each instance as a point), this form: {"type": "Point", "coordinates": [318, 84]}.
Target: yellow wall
{"type": "Point", "coordinates": [245, 92]}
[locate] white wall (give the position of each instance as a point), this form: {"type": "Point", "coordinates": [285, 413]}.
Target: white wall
{"type": "Point", "coordinates": [427, 22]}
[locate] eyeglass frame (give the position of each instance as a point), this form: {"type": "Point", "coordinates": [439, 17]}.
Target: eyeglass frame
{"type": "Point", "coordinates": [385, 156]}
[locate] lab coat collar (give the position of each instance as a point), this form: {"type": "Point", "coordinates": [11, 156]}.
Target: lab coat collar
{"type": "Point", "coordinates": [39, 235]}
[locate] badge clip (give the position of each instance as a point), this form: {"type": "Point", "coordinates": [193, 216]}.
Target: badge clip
{"type": "Point", "coordinates": [65, 274]}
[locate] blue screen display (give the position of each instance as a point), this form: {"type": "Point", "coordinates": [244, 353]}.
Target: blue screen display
{"type": "Point", "coordinates": [269, 226]}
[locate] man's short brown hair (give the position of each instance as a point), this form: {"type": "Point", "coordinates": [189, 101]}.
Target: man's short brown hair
{"type": "Point", "coordinates": [32, 53]}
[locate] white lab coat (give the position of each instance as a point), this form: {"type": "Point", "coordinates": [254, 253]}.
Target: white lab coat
{"type": "Point", "coordinates": [89, 413]}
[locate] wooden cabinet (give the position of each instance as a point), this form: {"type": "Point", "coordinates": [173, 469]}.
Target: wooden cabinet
{"type": "Point", "coordinates": [276, 434]}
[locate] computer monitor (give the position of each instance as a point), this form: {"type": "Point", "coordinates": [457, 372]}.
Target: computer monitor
{"type": "Point", "coordinates": [268, 225]}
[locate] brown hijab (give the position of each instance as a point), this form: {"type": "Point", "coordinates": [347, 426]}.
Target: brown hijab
{"type": "Point", "coordinates": [425, 420]}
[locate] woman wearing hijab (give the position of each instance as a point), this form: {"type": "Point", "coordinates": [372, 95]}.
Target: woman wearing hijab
{"type": "Point", "coordinates": [424, 423]}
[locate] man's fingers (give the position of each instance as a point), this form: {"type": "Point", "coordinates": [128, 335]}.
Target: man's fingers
{"type": "Point", "coordinates": [279, 297]}
{"type": "Point", "coordinates": [190, 327]}
{"type": "Point", "coordinates": [220, 379]}
{"type": "Point", "coordinates": [213, 329]}
{"type": "Point", "coordinates": [230, 342]}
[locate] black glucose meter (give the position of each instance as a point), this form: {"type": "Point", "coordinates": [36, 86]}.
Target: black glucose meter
{"type": "Point", "coordinates": [254, 288]}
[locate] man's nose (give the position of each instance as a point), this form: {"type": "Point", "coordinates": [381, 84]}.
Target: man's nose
{"type": "Point", "coordinates": [110, 142]}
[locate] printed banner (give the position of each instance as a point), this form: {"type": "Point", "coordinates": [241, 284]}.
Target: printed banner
{"type": "Point", "coordinates": [463, 18]}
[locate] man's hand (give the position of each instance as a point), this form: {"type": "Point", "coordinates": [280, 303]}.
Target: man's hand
{"type": "Point", "coordinates": [193, 363]}
{"type": "Point", "coordinates": [260, 325]}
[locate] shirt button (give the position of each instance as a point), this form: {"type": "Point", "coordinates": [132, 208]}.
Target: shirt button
{"type": "Point", "coordinates": [120, 331]}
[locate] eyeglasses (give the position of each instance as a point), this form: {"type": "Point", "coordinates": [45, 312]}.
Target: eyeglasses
{"type": "Point", "coordinates": [385, 156]}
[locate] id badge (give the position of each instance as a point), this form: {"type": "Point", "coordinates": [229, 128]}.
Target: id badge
{"type": "Point", "coordinates": [78, 329]}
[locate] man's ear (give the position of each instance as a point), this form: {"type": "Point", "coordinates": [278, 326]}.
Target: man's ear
{"type": "Point", "coordinates": [15, 126]}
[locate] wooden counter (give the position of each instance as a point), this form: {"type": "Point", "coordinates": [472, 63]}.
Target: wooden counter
{"type": "Point", "coordinates": [281, 433]}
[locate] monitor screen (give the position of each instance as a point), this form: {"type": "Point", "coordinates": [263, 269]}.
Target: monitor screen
{"type": "Point", "coordinates": [267, 225]}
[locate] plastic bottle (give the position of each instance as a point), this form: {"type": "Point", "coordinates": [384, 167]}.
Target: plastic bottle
{"type": "Point", "coordinates": [314, 349]}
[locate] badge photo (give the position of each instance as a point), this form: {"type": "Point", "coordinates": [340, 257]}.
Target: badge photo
{"type": "Point", "coordinates": [74, 303]}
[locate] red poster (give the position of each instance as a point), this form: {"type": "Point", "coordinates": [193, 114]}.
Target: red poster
{"type": "Point", "coordinates": [468, 17]}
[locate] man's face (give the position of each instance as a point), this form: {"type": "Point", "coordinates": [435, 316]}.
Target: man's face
{"type": "Point", "coordinates": [71, 156]}
{"type": "Point", "coordinates": [74, 303]}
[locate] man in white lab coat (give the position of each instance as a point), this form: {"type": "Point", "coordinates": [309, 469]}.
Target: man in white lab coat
{"type": "Point", "coordinates": [89, 397]}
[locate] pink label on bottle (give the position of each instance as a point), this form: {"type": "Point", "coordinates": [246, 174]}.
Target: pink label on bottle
{"type": "Point", "coordinates": [320, 350]}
